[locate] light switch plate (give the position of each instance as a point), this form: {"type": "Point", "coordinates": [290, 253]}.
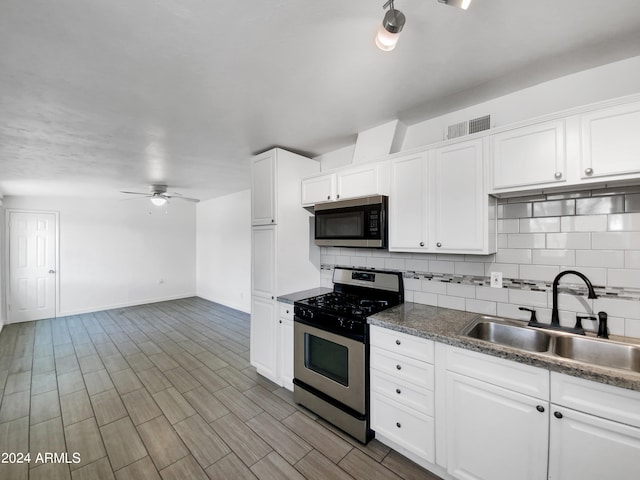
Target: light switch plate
{"type": "Point", "coordinates": [496, 279]}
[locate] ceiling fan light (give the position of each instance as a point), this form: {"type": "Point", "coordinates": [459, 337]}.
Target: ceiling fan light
{"type": "Point", "coordinates": [389, 31]}
{"type": "Point", "coordinates": [158, 201]}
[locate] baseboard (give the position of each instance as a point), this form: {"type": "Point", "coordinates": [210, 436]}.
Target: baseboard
{"type": "Point", "coordinates": [124, 305]}
{"type": "Point", "coordinates": [240, 308]}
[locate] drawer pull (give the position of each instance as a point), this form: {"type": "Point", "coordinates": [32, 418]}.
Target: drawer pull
{"type": "Point", "coordinates": [540, 408]}
{"type": "Point", "coordinates": [398, 391]}
{"type": "Point", "coordinates": [398, 367]}
{"type": "Point", "coordinates": [557, 414]}
{"type": "Point", "coordinates": [287, 311]}
{"type": "Point", "coordinates": [558, 175]}
{"type": "Point", "coordinates": [588, 171]}
{"type": "Point", "coordinates": [398, 342]}
{"type": "Point", "coordinates": [398, 425]}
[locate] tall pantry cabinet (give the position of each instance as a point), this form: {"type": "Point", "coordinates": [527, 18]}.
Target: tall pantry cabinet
{"type": "Point", "coordinates": [284, 258]}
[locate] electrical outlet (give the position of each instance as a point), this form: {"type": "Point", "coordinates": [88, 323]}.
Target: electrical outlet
{"type": "Point", "coordinates": [496, 279]}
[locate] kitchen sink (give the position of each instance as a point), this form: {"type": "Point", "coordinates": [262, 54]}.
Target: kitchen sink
{"type": "Point", "coordinates": [598, 352]}
{"type": "Point", "coordinates": [511, 336]}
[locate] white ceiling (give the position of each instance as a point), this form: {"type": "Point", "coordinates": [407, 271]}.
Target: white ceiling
{"type": "Point", "coordinates": [98, 96]}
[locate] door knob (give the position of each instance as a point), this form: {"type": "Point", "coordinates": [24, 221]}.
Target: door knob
{"type": "Point", "coordinates": [422, 244]}
{"type": "Point", "coordinates": [558, 175]}
{"type": "Point", "coordinates": [588, 171]}
{"type": "Point", "coordinates": [557, 414]}
{"type": "Point", "coordinates": [438, 244]}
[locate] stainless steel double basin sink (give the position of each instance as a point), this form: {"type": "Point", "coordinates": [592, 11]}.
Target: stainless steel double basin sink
{"type": "Point", "coordinates": [514, 334]}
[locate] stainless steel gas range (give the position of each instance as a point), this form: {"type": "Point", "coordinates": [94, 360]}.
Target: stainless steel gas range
{"type": "Point", "coordinates": [331, 346]}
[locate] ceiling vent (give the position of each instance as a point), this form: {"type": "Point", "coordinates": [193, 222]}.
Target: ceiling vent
{"type": "Point", "coordinates": [469, 127]}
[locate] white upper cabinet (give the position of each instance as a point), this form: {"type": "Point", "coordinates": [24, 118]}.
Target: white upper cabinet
{"type": "Point", "coordinates": [319, 188]}
{"type": "Point", "coordinates": [460, 202]}
{"type": "Point", "coordinates": [409, 204]}
{"type": "Point", "coordinates": [611, 143]}
{"type": "Point", "coordinates": [530, 156]}
{"type": "Point", "coordinates": [263, 261]}
{"type": "Point", "coordinates": [263, 189]}
{"type": "Point", "coordinates": [439, 202]}
{"type": "Point", "coordinates": [369, 179]}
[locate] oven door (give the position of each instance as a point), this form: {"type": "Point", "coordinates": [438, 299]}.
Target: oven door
{"type": "Point", "coordinates": [332, 364]}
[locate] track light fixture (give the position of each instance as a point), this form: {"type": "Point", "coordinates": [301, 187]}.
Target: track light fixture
{"type": "Point", "coordinates": [389, 31]}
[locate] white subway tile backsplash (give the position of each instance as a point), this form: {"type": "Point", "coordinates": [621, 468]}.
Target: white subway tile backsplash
{"type": "Point", "coordinates": [600, 258]}
{"type": "Point", "coordinates": [632, 259]}
{"type": "Point", "coordinates": [554, 257]}
{"type": "Point", "coordinates": [374, 262]}
{"type": "Point", "coordinates": [623, 278]}
{"type": "Point", "coordinates": [457, 303]}
{"type": "Point", "coordinates": [412, 283]}
{"type": "Point", "coordinates": [572, 302]}
{"type": "Point", "coordinates": [632, 327]}
{"type": "Point", "coordinates": [344, 260]}
{"type": "Point", "coordinates": [509, 225]}
{"type": "Point", "coordinates": [447, 257]}
{"type": "Point", "coordinates": [438, 266]}
{"type": "Point", "coordinates": [617, 307]}
{"type": "Point", "coordinates": [539, 225]}
{"type": "Point", "coordinates": [597, 276]}
{"type": "Point", "coordinates": [358, 252]}
{"type": "Point", "coordinates": [624, 222]}
{"type": "Point", "coordinates": [415, 265]}
{"type": "Point", "coordinates": [469, 268]}
{"type": "Point", "coordinates": [508, 270]}
{"type": "Point", "coordinates": [408, 296]}
{"type": "Point", "coordinates": [569, 240]}
{"type": "Point", "coordinates": [425, 298]}
{"type": "Point", "coordinates": [434, 286]}
{"type": "Point", "coordinates": [586, 223]}
{"type": "Point", "coordinates": [481, 306]}
{"type": "Point", "coordinates": [616, 326]}
{"type": "Point", "coordinates": [545, 273]}
{"type": "Point", "coordinates": [513, 255]}
{"type": "Point", "coordinates": [528, 298]}
{"type": "Point", "coordinates": [503, 240]}
{"type": "Point", "coordinates": [329, 259]}
{"type": "Point", "coordinates": [526, 240]}
{"type": "Point", "coordinates": [459, 290]}
{"type": "Point", "coordinates": [394, 263]}
{"type": "Point", "coordinates": [615, 240]}
{"type": "Point", "coordinates": [492, 294]}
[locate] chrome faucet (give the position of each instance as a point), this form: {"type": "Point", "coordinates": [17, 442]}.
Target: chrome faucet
{"type": "Point", "coordinates": [555, 320]}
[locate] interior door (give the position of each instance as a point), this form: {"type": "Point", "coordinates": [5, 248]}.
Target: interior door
{"type": "Point", "coordinates": [32, 265]}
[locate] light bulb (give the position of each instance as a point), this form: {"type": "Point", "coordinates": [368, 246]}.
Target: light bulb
{"type": "Point", "coordinates": [158, 201]}
{"type": "Point", "coordinates": [385, 40]}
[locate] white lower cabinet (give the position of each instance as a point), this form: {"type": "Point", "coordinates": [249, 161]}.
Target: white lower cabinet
{"type": "Point", "coordinates": [594, 431]}
{"type": "Point", "coordinates": [263, 336]}
{"type": "Point", "coordinates": [402, 399]}
{"type": "Point", "coordinates": [494, 433]}
{"type": "Point", "coordinates": [497, 418]}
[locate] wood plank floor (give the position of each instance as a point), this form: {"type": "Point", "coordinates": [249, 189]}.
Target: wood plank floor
{"type": "Point", "coordinates": [163, 391]}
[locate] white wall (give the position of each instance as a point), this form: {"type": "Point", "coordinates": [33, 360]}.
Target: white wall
{"type": "Point", "coordinates": [117, 253]}
{"type": "Point", "coordinates": [3, 309]}
{"type": "Point", "coordinates": [223, 250]}
{"type": "Point", "coordinates": [613, 80]}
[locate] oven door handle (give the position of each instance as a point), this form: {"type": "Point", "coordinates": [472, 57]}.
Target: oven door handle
{"type": "Point", "coordinates": [352, 336]}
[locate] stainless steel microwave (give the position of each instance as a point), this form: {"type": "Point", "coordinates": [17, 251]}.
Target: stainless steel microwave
{"type": "Point", "coordinates": [357, 222]}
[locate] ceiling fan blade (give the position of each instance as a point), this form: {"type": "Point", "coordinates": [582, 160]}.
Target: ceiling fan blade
{"type": "Point", "coordinates": [180, 197]}
{"type": "Point", "coordinates": [146, 194]}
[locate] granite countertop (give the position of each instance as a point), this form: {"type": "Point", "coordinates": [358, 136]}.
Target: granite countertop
{"type": "Point", "coordinates": [301, 295]}
{"type": "Point", "coordinates": [444, 325]}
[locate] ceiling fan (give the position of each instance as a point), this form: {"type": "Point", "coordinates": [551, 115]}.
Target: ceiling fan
{"type": "Point", "coordinates": [159, 196]}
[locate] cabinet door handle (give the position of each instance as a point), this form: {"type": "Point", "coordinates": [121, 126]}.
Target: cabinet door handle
{"type": "Point", "coordinates": [398, 425]}
{"type": "Point", "coordinates": [287, 311]}
{"type": "Point", "coordinates": [398, 367]}
{"type": "Point", "coordinates": [280, 321]}
{"type": "Point", "coordinates": [272, 297]}
{"type": "Point", "coordinates": [337, 196]}
{"type": "Point", "coordinates": [422, 244]}
{"type": "Point", "coordinates": [272, 220]}
{"type": "Point", "coordinates": [398, 391]}
{"type": "Point", "coordinates": [398, 342]}
{"type": "Point", "coordinates": [540, 408]}
{"type": "Point", "coordinates": [558, 175]}
{"type": "Point", "coordinates": [588, 171]}
{"type": "Point", "coordinates": [328, 197]}
{"type": "Point", "coordinates": [438, 244]}
{"type": "Point", "coordinates": [557, 414]}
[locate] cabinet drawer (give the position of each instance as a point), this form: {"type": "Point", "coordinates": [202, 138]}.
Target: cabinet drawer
{"type": "Point", "coordinates": [396, 390]}
{"type": "Point", "coordinates": [404, 368]}
{"type": "Point", "coordinates": [514, 376]}
{"type": "Point", "coordinates": [614, 403]}
{"type": "Point", "coordinates": [407, 428]}
{"type": "Point", "coordinates": [409, 345]}
{"type": "Point", "coordinates": [286, 311]}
